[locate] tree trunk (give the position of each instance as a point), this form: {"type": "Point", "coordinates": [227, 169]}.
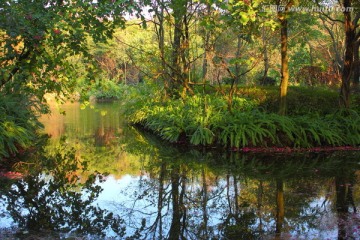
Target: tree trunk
{"type": "Point", "coordinates": [284, 62]}
{"type": "Point", "coordinates": [161, 39]}
{"type": "Point", "coordinates": [237, 65]}
{"type": "Point", "coordinates": [185, 74]}
{"type": "Point", "coordinates": [176, 48]}
{"type": "Point", "coordinates": [180, 65]}
{"type": "Point", "coordinates": [206, 47]}
{"type": "Point", "coordinates": [350, 38]}
{"type": "Point", "coordinates": [265, 54]}
{"type": "Point", "coordinates": [356, 76]}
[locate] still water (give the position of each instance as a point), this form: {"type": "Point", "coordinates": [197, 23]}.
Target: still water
{"type": "Point", "coordinates": [98, 178]}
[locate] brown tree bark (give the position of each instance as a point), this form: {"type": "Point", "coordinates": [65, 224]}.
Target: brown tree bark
{"type": "Point", "coordinates": [265, 53]}
{"type": "Point", "coordinates": [180, 65]}
{"type": "Point", "coordinates": [176, 48]}
{"type": "Point", "coordinates": [282, 16]}
{"type": "Point", "coordinates": [356, 74]}
{"type": "Point", "coordinates": [350, 38]}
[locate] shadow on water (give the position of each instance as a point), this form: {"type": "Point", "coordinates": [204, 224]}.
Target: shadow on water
{"type": "Point", "coordinates": [154, 190]}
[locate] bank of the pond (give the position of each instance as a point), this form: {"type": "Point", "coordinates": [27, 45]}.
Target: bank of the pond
{"type": "Point", "coordinates": [205, 119]}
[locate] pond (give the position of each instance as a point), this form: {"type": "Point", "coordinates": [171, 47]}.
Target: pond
{"type": "Point", "coordinates": [98, 178]}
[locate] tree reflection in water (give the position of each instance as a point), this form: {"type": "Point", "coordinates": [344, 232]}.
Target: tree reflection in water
{"type": "Point", "coordinates": [345, 206]}
{"type": "Point", "coordinates": [162, 192]}
{"type": "Point", "coordinates": [205, 195]}
{"type": "Point", "coordinates": [53, 199]}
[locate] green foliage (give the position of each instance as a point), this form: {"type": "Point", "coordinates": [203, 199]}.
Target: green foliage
{"type": "Point", "coordinates": [105, 90]}
{"type": "Point", "coordinates": [18, 124]}
{"type": "Point", "coordinates": [39, 41]}
{"type": "Point", "coordinates": [205, 120]}
{"type": "Point", "coordinates": [38, 38]}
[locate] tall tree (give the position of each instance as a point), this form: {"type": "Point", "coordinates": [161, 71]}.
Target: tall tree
{"type": "Point", "coordinates": [283, 19]}
{"type": "Point", "coordinates": [350, 26]}
{"type": "Point", "coordinates": [350, 21]}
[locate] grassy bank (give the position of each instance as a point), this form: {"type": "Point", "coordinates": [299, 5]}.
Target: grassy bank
{"type": "Point", "coordinates": [203, 119]}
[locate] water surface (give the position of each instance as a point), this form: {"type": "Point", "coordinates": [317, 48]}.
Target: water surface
{"type": "Point", "coordinates": [154, 190]}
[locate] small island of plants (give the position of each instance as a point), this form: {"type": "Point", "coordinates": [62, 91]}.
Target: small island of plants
{"type": "Point", "coordinates": [206, 119]}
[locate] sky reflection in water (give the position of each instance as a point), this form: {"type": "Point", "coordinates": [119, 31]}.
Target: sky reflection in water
{"type": "Point", "coordinates": [168, 192]}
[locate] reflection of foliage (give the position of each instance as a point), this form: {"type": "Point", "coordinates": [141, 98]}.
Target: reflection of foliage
{"type": "Point", "coordinates": [53, 199]}
{"type": "Point", "coordinates": [232, 195]}
{"type": "Point", "coordinates": [240, 226]}
{"type": "Point", "coordinates": [97, 133]}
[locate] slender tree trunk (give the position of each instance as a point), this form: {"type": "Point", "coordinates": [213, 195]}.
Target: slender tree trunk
{"type": "Point", "coordinates": [206, 47]}
{"type": "Point", "coordinates": [180, 65]}
{"type": "Point", "coordinates": [160, 33]}
{"type": "Point", "coordinates": [161, 39]}
{"type": "Point", "coordinates": [280, 208]}
{"type": "Point", "coordinates": [350, 35]}
{"type": "Point", "coordinates": [356, 68]}
{"type": "Point", "coordinates": [185, 75]}
{"type": "Point", "coordinates": [284, 62]}
{"type": "Point", "coordinates": [265, 54]}
{"type": "Point", "coordinates": [311, 54]}
{"type": "Point", "coordinates": [176, 48]}
{"type": "Point", "coordinates": [237, 65]}
{"type": "Point", "coordinates": [337, 65]}
{"type": "Point", "coordinates": [205, 61]}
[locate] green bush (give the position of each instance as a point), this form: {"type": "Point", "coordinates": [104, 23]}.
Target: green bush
{"type": "Point", "coordinates": [105, 90]}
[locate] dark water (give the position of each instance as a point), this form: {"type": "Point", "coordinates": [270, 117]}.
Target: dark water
{"type": "Point", "coordinates": [153, 190]}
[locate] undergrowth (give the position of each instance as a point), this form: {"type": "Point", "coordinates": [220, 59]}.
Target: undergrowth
{"type": "Point", "coordinates": [204, 119]}
{"type": "Point", "coordinates": [18, 124]}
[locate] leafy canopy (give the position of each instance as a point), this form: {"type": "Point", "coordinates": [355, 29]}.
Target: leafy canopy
{"type": "Point", "coordinates": [38, 37]}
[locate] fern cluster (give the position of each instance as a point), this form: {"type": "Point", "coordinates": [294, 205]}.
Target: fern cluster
{"type": "Point", "coordinates": [18, 124]}
{"type": "Point", "coordinates": [205, 120]}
